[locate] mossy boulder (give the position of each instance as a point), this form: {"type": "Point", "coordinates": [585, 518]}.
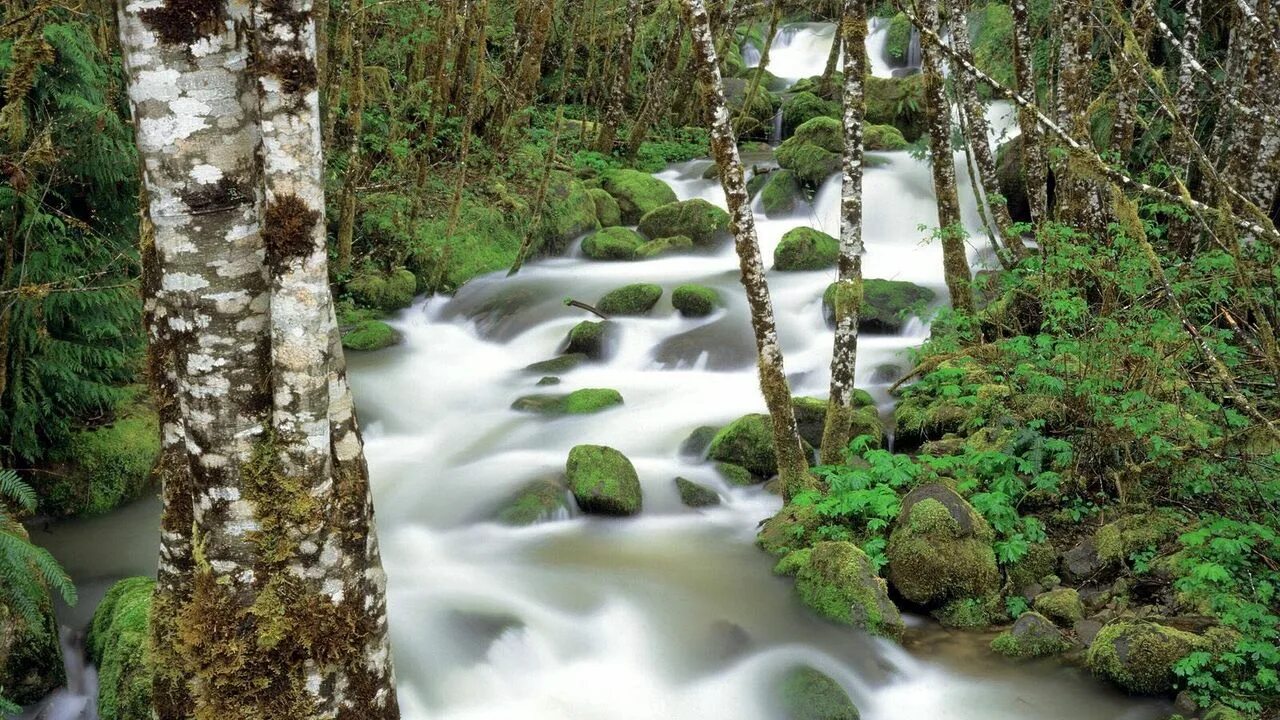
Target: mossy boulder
{"type": "Point", "coordinates": [613, 243]}
{"type": "Point", "coordinates": [537, 501]}
{"type": "Point", "coordinates": [570, 212]}
{"type": "Point", "coordinates": [780, 193]}
{"type": "Point", "coordinates": [607, 210]}
{"type": "Point", "coordinates": [1063, 606]}
{"type": "Point", "coordinates": [898, 42]}
{"type": "Point", "coordinates": [811, 163]}
{"type": "Point", "coordinates": [104, 467]}
{"type": "Point", "coordinates": [1117, 541]}
{"type": "Point", "coordinates": [695, 495]}
{"type": "Point", "coordinates": [886, 304]}
{"type": "Point", "coordinates": [885, 138]}
{"type": "Point", "coordinates": [754, 122]}
{"type": "Point", "coordinates": [792, 528]}
{"type": "Point", "coordinates": [970, 613]}
{"type": "Point", "coordinates": [578, 402]}
{"type": "Point", "coordinates": [381, 290]}
{"type": "Point", "coordinates": [768, 80]}
{"type": "Point", "coordinates": [118, 645]}
{"type": "Point", "coordinates": [748, 443]}
{"type": "Point", "coordinates": [634, 299]}
{"type": "Point", "coordinates": [1040, 561]}
{"type": "Point", "coordinates": [637, 193]}
{"type": "Point", "coordinates": [603, 481]}
{"type": "Point", "coordinates": [1032, 635]}
{"type": "Point", "coordinates": [940, 549]}
{"type": "Point", "coordinates": [825, 132]}
{"type": "Point", "coordinates": [811, 418]}
{"type": "Point", "coordinates": [804, 248]}
{"type": "Point", "coordinates": [592, 339]}
{"type": "Point", "coordinates": [30, 654]}
{"type": "Point", "coordinates": [700, 221]}
{"type": "Point", "coordinates": [838, 582]}
{"type": "Point", "coordinates": [370, 335]}
{"type": "Point", "coordinates": [809, 694]}
{"type": "Point", "coordinates": [832, 91]}
{"type": "Point", "coordinates": [1139, 656]}
{"type": "Point", "coordinates": [801, 107]}
{"type": "Point", "coordinates": [735, 474]}
{"type": "Point", "coordinates": [898, 102]}
{"type": "Point", "coordinates": [557, 365]}
{"type": "Point", "coordinates": [695, 301]}
{"type": "Point", "coordinates": [664, 246]}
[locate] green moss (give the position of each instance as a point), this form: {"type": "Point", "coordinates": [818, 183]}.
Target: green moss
{"type": "Point", "coordinates": [700, 221]}
{"type": "Point", "coordinates": [883, 138]}
{"type": "Point", "coordinates": [791, 529]}
{"type": "Point", "coordinates": [808, 694]}
{"type": "Point", "coordinates": [737, 475]}
{"type": "Point", "coordinates": [603, 480]}
{"type": "Point", "coordinates": [1062, 606]}
{"type": "Point", "coordinates": [1041, 560]}
{"type": "Point", "coordinates": [31, 664]}
{"type": "Point", "coordinates": [637, 193]}
{"type": "Point", "coordinates": [694, 495]}
{"type": "Point", "coordinates": [967, 613]}
{"type": "Point", "coordinates": [578, 402]}
{"type": "Point", "coordinates": [1116, 541]}
{"type": "Point", "coordinates": [779, 194]}
{"type": "Point", "coordinates": [695, 300]}
{"type": "Point", "coordinates": [885, 304]}
{"type": "Point", "coordinates": [991, 35]}
{"type": "Point", "coordinates": [487, 238]}
{"type": "Point", "coordinates": [570, 212]}
{"type": "Point", "coordinates": [804, 248]}
{"type": "Point", "coordinates": [756, 121]}
{"type": "Point", "coordinates": [898, 102]}
{"type": "Point", "coordinates": [1032, 635]}
{"type": "Point", "coordinates": [370, 335]}
{"type": "Point", "coordinates": [839, 583]}
{"type": "Point", "coordinates": [825, 132]}
{"type": "Point", "coordinates": [804, 106]}
{"type": "Point", "coordinates": [607, 210]}
{"type": "Point", "coordinates": [107, 466]}
{"type": "Point", "coordinates": [832, 91]}
{"type": "Point", "coordinates": [748, 442]}
{"type": "Point", "coordinates": [634, 299]}
{"type": "Point", "coordinates": [119, 645]}
{"type": "Point", "coordinates": [898, 42]}
{"type": "Point", "coordinates": [792, 562]}
{"type": "Point", "coordinates": [1139, 656]}
{"type": "Point", "coordinates": [557, 365]}
{"type": "Point", "coordinates": [590, 339]}
{"type": "Point", "coordinates": [768, 80]}
{"type": "Point", "coordinates": [383, 290]}
{"type": "Point", "coordinates": [614, 243]}
{"type": "Point", "coordinates": [811, 417]}
{"type": "Point", "coordinates": [811, 163]}
{"type": "Point", "coordinates": [940, 549]}
{"type": "Point", "coordinates": [664, 246]}
{"type": "Point", "coordinates": [537, 501]}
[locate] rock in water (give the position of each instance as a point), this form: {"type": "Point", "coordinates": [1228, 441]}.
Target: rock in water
{"type": "Point", "coordinates": [809, 694]}
{"type": "Point", "coordinates": [636, 192]}
{"type": "Point", "coordinates": [1033, 635]}
{"type": "Point", "coordinates": [592, 339]}
{"type": "Point", "coordinates": [1139, 656]}
{"type": "Point", "coordinates": [634, 299]}
{"type": "Point", "coordinates": [536, 501]}
{"type": "Point", "coordinates": [940, 549]}
{"type": "Point", "coordinates": [700, 221]}
{"type": "Point", "coordinates": [694, 495]}
{"type": "Point", "coordinates": [695, 300]}
{"type": "Point", "coordinates": [603, 481]}
{"type": "Point", "coordinates": [837, 581]}
{"type": "Point", "coordinates": [804, 248]}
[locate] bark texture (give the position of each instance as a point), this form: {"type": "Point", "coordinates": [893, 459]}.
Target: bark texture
{"type": "Point", "coordinates": [617, 97]}
{"type": "Point", "coordinates": [1035, 166]}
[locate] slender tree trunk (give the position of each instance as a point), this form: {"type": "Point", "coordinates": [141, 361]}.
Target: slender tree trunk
{"type": "Point", "coordinates": [284, 613]}
{"type": "Point", "coordinates": [1182, 233]}
{"type": "Point", "coordinates": [526, 69]}
{"type": "Point", "coordinates": [792, 466]}
{"type": "Point", "coordinates": [1079, 201]}
{"type": "Point", "coordinates": [1130, 74]}
{"type": "Point", "coordinates": [588, 82]}
{"type": "Point", "coordinates": [1252, 153]}
{"type": "Point", "coordinates": [1035, 167]}
{"type": "Point", "coordinates": [616, 101]}
{"type": "Point", "coordinates": [355, 146]}
{"type": "Point", "coordinates": [749, 99]}
{"type": "Point", "coordinates": [833, 59]}
{"type": "Point", "coordinates": [955, 261]}
{"type": "Point", "coordinates": [658, 99]}
{"type": "Point", "coordinates": [848, 296]}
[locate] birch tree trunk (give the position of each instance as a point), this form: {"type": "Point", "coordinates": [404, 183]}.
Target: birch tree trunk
{"type": "Point", "coordinates": [1252, 160]}
{"type": "Point", "coordinates": [848, 295]}
{"type": "Point", "coordinates": [1035, 167]}
{"type": "Point", "coordinates": [283, 609]}
{"type": "Point", "coordinates": [1079, 201]}
{"type": "Point", "coordinates": [792, 465]}
{"type": "Point", "coordinates": [616, 101]}
{"type": "Point", "coordinates": [955, 261]}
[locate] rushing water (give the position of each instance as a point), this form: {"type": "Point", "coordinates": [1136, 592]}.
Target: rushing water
{"type": "Point", "coordinates": [673, 614]}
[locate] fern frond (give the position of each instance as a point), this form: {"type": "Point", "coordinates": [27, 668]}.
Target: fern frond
{"type": "Point", "coordinates": [14, 489]}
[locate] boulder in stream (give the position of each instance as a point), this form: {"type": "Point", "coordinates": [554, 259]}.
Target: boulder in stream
{"type": "Point", "coordinates": [1063, 606]}
{"type": "Point", "coordinates": [637, 193]}
{"type": "Point", "coordinates": [664, 246]}
{"type": "Point", "coordinates": [747, 442]}
{"type": "Point", "coordinates": [700, 221]}
{"type": "Point", "coordinates": [603, 481]}
{"type": "Point", "coordinates": [578, 402]}
{"type": "Point", "coordinates": [370, 335]}
{"type": "Point", "coordinates": [1032, 635]}
{"type": "Point", "coordinates": [884, 138]}
{"type": "Point", "coordinates": [612, 243]}
{"type": "Point", "coordinates": [886, 305]}
{"type": "Point", "coordinates": [695, 495]}
{"type": "Point", "coordinates": [811, 418]}
{"type": "Point", "coordinates": [607, 210]}
{"type": "Point", "coordinates": [1139, 655]}
{"type": "Point", "coordinates": [803, 106]}
{"type": "Point", "coordinates": [695, 301]}
{"type": "Point", "coordinates": [538, 500]}
{"type": "Point", "coordinates": [780, 193]}
{"type": "Point", "coordinates": [595, 340]}
{"type": "Point", "coordinates": [940, 549]}
{"type": "Point", "coordinates": [810, 694]}
{"type": "Point", "coordinates": [805, 155]}
{"type": "Point", "coordinates": [804, 248]}
{"type": "Point", "coordinates": [557, 365]}
{"type": "Point", "coordinates": [837, 581]}
{"type": "Point", "coordinates": [634, 299]}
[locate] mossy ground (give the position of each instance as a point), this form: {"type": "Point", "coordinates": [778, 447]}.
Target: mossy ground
{"type": "Point", "coordinates": [119, 644]}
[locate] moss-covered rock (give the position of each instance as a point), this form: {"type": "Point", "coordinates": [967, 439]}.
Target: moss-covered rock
{"type": "Point", "coordinates": [695, 300]}
{"type": "Point", "coordinates": [735, 474]}
{"type": "Point", "coordinates": [30, 654]}
{"type": "Point", "coordinates": [811, 418]}
{"type": "Point", "coordinates": [940, 549]}
{"type": "Point", "coordinates": [607, 210]}
{"type": "Point", "coordinates": [637, 193]}
{"type": "Point", "coordinates": [1139, 655]}
{"type": "Point", "coordinates": [970, 613]}
{"type": "Point", "coordinates": [593, 339]}
{"type": "Point", "coordinates": [1117, 541]}
{"type": "Point", "coordinates": [898, 42]}
{"type": "Point", "coordinates": [557, 365]}
{"type": "Point", "coordinates": [700, 221]}
{"type": "Point", "coordinates": [886, 304]}
{"type": "Point", "coordinates": [603, 480]}
{"type": "Point", "coordinates": [756, 121]}
{"type": "Point", "coordinates": [664, 246]}
{"type": "Point", "coordinates": [811, 163]}
{"type": "Point", "coordinates": [768, 80]}
{"type": "Point", "coordinates": [569, 213]}
{"type": "Point", "coordinates": [801, 107]}
{"type": "Point", "coordinates": [825, 132]}
{"type": "Point", "coordinates": [809, 694]}
{"type": "Point", "coordinates": [578, 402]}
{"type": "Point", "coordinates": [537, 501]}
{"type": "Point", "coordinates": [694, 495]}
{"type": "Point", "coordinates": [1041, 560]}
{"type": "Point", "coordinates": [369, 335]}
{"type": "Point", "coordinates": [747, 442]}
{"type": "Point", "coordinates": [1063, 606]}
{"type": "Point", "coordinates": [118, 645]}
{"type": "Point", "coordinates": [613, 243]}
{"type": "Point", "coordinates": [792, 528]}
{"type": "Point", "coordinates": [832, 91]}
{"type": "Point", "coordinates": [898, 102]}
{"type": "Point", "coordinates": [634, 299]}
{"type": "Point", "coordinates": [780, 194]}
{"type": "Point", "coordinates": [383, 290]}
{"type": "Point", "coordinates": [804, 248]}
{"type": "Point", "coordinates": [104, 467]}
{"type": "Point", "coordinates": [1032, 635]}
{"type": "Point", "coordinates": [885, 138]}
{"type": "Point", "coordinates": [837, 581]}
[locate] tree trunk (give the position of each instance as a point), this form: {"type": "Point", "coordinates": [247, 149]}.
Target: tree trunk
{"type": "Point", "coordinates": [526, 71]}
{"type": "Point", "coordinates": [616, 101]}
{"type": "Point", "coordinates": [1129, 73]}
{"type": "Point", "coordinates": [1035, 167]}
{"type": "Point", "coordinates": [1079, 202]}
{"type": "Point", "coordinates": [283, 614]}
{"type": "Point", "coordinates": [792, 466]}
{"type": "Point", "coordinates": [955, 261]}
{"type": "Point", "coordinates": [833, 59]}
{"type": "Point", "coordinates": [658, 98]}
{"type": "Point", "coordinates": [1252, 155]}
{"type": "Point", "coordinates": [355, 161]}
{"type": "Point", "coordinates": [748, 100]}
{"type": "Point", "coordinates": [848, 296]}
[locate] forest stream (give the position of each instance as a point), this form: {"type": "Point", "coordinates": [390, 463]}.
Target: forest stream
{"type": "Point", "coordinates": [673, 614]}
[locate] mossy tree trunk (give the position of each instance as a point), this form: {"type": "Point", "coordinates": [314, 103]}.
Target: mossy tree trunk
{"type": "Point", "coordinates": [524, 66]}
{"type": "Point", "coordinates": [955, 261]}
{"type": "Point", "coordinates": [1252, 138]}
{"type": "Point", "coordinates": [848, 297]}
{"type": "Point", "coordinates": [1129, 74]}
{"type": "Point", "coordinates": [275, 598]}
{"type": "Point", "coordinates": [1079, 201]}
{"type": "Point", "coordinates": [749, 99]}
{"type": "Point", "coordinates": [356, 95]}
{"type": "Point", "coordinates": [1034, 164]}
{"type": "Point", "coordinates": [1182, 233]}
{"type": "Point", "coordinates": [833, 58]}
{"type": "Point", "coordinates": [658, 99]}
{"type": "Point", "coordinates": [616, 99]}
{"type": "Point", "coordinates": [792, 467]}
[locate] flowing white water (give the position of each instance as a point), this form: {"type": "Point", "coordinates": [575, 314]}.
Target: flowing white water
{"type": "Point", "coordinates": [673, 614]}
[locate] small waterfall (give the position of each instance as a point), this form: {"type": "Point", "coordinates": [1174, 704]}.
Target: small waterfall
{"type": "Point", "coordinates": [775, 135]}
{"type": "Point", "coordinates": [78, 700]}
{"type": "Point", "coordinates": [750, 54]}
{"type": "Point", "coordinates": [915, 58]}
